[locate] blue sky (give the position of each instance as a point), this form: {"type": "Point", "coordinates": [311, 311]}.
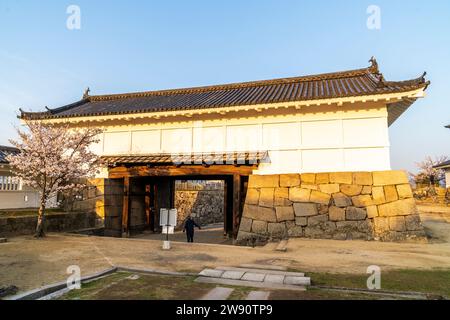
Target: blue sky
{"type": "Point", "coordinates": [130, 45]}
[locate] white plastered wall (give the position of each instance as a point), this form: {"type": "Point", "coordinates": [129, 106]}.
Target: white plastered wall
{"type": "Point", "coordinates": [314, 139]}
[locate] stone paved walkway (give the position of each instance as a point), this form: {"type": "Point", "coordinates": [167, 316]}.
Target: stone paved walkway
{"type": "Point", "coordinates": [255, 277]}
{"type": "Point", "coordinates": [218, 293]}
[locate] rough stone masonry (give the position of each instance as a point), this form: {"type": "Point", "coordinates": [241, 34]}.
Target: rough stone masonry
{"type": "Point", "coordinates": [340, 205]}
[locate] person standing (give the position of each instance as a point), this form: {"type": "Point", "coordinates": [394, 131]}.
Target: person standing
{"type": "Point", "coordinates": [189, 226]}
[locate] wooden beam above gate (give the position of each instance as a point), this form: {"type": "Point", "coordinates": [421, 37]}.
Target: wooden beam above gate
{"type": "Point", "coordinates": [184, 170]}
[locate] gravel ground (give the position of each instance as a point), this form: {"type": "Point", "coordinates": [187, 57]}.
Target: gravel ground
{"type": "Point", "coordinates": [29, 263]}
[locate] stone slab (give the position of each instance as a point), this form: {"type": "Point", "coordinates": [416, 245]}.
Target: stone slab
{"type": "Point", "coordinates": [252, 284]}
{"type": "Point", "coordinates": [267, 271]}
{"type": "Point", "coordinates": [274, 278]}
{"type": "Point", "coordinates": [258, 295]}
{"type": "Point", "coordinates": [218, 293]}
{"type": "Point", "coordinates": [282, 246]}
{"type": "Point", "coordinates": [232, 274]}
{"type": "Point", "coordinates": [298, 281]}
{"type": "Point", "coordinates": [252, 276]}
{"type": "Point", "coordinates": [211, 273]}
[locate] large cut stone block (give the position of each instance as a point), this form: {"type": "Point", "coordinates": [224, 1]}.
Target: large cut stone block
{"type": "Point", "coordinates": [315, 220]}
{"type": "Point", "coordinates": [412, 223]}
{"type": "Point", "coordinates": [295, 231]}
{"type": "Point", "coordinates": [398, 208]}
{"type": "Point", "coordinates": [252, 196]}
{"type": "Point", "coordinates": [322, 178]}
{"type": "Point", "coordinates": [305, 209]}
{"type": "Point", "coordinates": [245, 225]}
{"type": "Point", "coordinates": [390, 193]}
{"type": "Point", "coordinates": [366, 190]}
{"type": "Point", "coordinates": [308, 178]}
{"type": "Point", "coordinates": [284, 213]}
{"type": "Point", "coordinates": [397, 223]}
{"type": "Point", "coordinates": [404, 191]}
{"type": "Point", "coordinates": [322, 208]}
{"type": "Point", "coordinates": [363, 200]}
{"type": "Point", "coordinates": [363, 226]}
{"type": "Point", "coordinates": [259, 213]}
{"type": "Point", "coordinates": [380, 224]}
{"type": "Point", "coordinates": [336, 214]}
{"type": "Point", "coordinates": [299, 195]}
{"type": "Point", "coordinates": [351, 189]}
{"type": "Point", "coordinates": [301, 221]}
{"type": "Point", "coordinates": [329, 188]}
{"type": "Point", "coordinates": [266, 196]}
{"type": "Point", "coordinates": [383, 178]}
{"type": "Point", "coordinates": [264, 181]}
{"type": "Point", "coordinates": [353, 213]}
{"type": "Point", "coordinates": [341, 200]}
{"type": "Point", "coordinates": [320, 197]}
{"type": "Point", "coordinates": [341, 177]}
{"type": "Point", "coordinates": [372, 212]}
{"type": "Point", "coordinates": [362, 178]}
{"type": "Point", "coordinates": [378, 195]}
{"type": "Point", "coordinates": [289, 180]}
{"type": "Point", "coordinates": [277, 230]}
{"type": "Point", "coordinates": [259, 227]}
{"type": "Point", "coordinates": [281, 197]}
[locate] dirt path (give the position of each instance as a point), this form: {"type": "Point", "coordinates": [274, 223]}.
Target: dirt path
{"type": "Point", "coordinates": [29, 263]}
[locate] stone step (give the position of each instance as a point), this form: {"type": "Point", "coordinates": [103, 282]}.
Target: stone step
{"type": "Point", "coordinates": [218, 293]}
{"type": "Point", "coordinates": [263, 277]}
{"type": "Point", "coordinates": [258, 295]}
{"type": "Point", "coordinates": [263, 267]}
{"type": "Point", "coordinates": [252, 270]}
{"type": "Point", "coordinates": [282, 246]}
{"type": "Point", "coordinates": [251, 284]}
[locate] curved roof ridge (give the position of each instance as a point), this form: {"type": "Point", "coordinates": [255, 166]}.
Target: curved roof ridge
{"type": "Point", "coordinates": [235, 85]}
{"type": "Point", "coordinates": [351, 83]}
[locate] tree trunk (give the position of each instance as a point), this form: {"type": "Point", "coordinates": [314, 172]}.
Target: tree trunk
{"type": "Point", "coordinates": [41, 219]}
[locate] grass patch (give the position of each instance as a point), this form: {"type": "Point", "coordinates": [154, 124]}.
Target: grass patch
{"type": "Point", "coordinates": [240, 293]}
{"type": "Point", "coordinates": [120, 286]}
{"type": "Point", "coordinates": [126, 285]}
{"type": "Point", "coordinates": [436, 281]}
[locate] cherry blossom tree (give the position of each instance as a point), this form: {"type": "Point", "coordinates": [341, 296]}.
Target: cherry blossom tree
{"type": "Point", "coordinates": [53, 159]}
{"type": "Point", "coordinates": [428, 174]}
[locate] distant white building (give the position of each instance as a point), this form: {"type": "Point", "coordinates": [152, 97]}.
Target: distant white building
{"type": "Point", "coordinates": [446, 167]}
{"type": "Point", "coordinates": [13, 194]}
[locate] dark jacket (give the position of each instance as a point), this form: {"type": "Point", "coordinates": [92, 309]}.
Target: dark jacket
{"type": "Point", "coordinates": [189, 225]}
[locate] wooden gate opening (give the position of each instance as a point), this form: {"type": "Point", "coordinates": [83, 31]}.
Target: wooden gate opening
{"type": "Point", "coordinates": [145, 192]}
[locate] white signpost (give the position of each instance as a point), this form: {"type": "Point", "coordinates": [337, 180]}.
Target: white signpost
{"type": "Point", "coordinates": [168, 221]}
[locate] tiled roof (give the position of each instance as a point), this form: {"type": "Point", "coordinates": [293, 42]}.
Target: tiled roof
{"type": "Point", "coordinates": [353, 83]}
{"type": "Point", "coordinates": [189, 158]}
{"type": "Point", "coordinates": [445, 164]}
{"type": "Point", "coordinates": [6, 151]}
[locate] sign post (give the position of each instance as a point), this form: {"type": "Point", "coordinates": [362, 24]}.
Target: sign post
{"type": "Point", "coordinates": [168, 221]}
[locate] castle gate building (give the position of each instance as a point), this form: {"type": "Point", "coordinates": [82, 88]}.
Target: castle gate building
{"type": "Point", "coordinates": [305, 156]}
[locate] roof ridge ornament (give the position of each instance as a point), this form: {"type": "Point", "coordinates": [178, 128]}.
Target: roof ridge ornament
{"type": "Point", "coordinates": [86, 93]}
{"type": "Point", "coordinates": [374, 65]}
{"type": "Point", "coordinates": [376, 71]}
{"type": "Point", "coordinates": [422, 77]}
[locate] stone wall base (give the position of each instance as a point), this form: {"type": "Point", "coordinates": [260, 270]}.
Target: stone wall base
{"type": "Point", "coordinates": [339, 205]}
{"type": "Point", "coordinates": [56, 222]}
